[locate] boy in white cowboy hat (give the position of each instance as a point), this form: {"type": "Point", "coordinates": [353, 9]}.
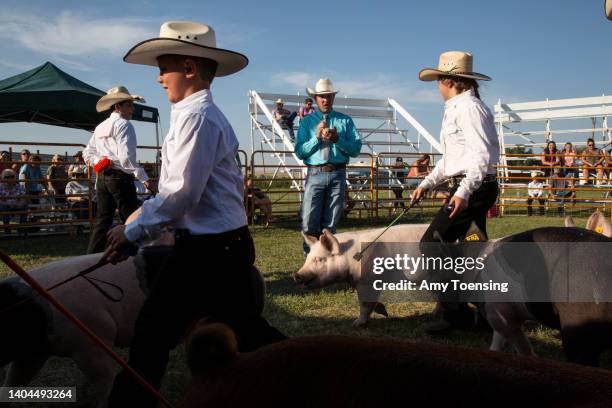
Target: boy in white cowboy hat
{"type": "Point", "coordinates": [284, 117]}
{"type": "Point", "coordinates": [200, 198]}
{"type": "Point", "coordinates": [114, 142]}
{"type": "Point", "coordinates": [470, 152]}
{"type": "Point", "coordinates": [326, 140]}
{"type": "Point", "coordinates": [535, 191]}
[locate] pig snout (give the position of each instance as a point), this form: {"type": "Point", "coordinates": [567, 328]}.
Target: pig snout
{"type": "Point", "coordinates": [302, 278]}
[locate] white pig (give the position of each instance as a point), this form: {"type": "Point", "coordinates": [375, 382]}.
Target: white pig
{"type": "Point", "coordinates": [332, 260]}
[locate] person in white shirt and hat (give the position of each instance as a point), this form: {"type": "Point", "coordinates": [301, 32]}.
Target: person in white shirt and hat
{"type": "Point", "coordinates": [470, 149]}
{"type": "Point", "coordinates": [112, 151]}
{"type": "Point", "coordinates": [535, 191]}
{"type": "Point", "coordinates": [200, 198]}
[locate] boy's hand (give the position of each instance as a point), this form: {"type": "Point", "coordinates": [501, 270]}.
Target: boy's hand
{"type": "Point", "coordinates": [117, 244]}
{"type": "Point", "coordinates": [458, 204]}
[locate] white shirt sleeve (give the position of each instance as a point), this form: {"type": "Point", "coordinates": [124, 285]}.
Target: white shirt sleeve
{"type": "Point", "coordinates": [476, 149]}
{"type": "Point", "coordinates": [125, 138]}
{"type": "Point", "coordinates": [90, 153]}
{"type": "Point", "coordinates": [195, 154]}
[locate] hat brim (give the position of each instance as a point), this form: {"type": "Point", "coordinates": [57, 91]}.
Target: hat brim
{"type": "Point", "coordinates": [107, 101]}
{"type": "Point", "coordinates": [431, 74]}
{"type": "Point", "coordinates": [147, 52]}
{"type": "Point", "coordinates": [312, 92]}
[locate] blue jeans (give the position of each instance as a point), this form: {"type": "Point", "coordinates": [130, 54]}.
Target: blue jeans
{"type": "Point", "coordinates": [323, 201]}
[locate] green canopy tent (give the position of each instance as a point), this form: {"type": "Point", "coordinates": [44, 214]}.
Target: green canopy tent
{"type": "Point", "coordinates": [48, 95]}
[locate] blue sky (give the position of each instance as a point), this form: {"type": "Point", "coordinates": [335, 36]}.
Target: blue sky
{"type": "Point", "coordinates": [533, 49]}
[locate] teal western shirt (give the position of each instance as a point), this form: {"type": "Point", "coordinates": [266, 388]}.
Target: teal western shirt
{"type": "Point", "coordinates": [308, 147]}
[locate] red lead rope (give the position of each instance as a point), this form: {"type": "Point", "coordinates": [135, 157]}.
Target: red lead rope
{"type": "Point", "coordinates": [38, 288]}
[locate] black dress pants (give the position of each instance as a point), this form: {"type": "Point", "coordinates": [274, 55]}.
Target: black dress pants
{"type": "Point", "coordinates": [205, 276]}
{"type": "Point", "coordinates": [114, 189]}
{"type": "Point", "coordinates": [459, 314]}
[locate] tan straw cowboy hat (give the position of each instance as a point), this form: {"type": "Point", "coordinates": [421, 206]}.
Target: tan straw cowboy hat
{"type": "Point", "coordinates": [279, 100]}
{"type": "Point", "coordinates": [323, 86]}
{"type": "Point", "coordinates": [608, 7]}
{"type": "Point", "coordinates": [190, 39]}
{"type": "Point", "coordinates": [116, 95]}
{"type": "Point", "coordinates": [454, 63]}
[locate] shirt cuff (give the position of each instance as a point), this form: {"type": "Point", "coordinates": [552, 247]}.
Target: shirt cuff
{"type": "Point", "coordinates": [135, 233]}
{"type": "Point", "coordinates": [426, 185]}
{"type": "Point", "coordinates": [463, 193]}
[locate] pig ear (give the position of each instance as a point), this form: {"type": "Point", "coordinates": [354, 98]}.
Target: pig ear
{"type": "Point", "coordinates": [309, 239]}
{"type": "Point", "coordinates": [330, 242]}
{"type": "Point", "coordinates": [569, 221]}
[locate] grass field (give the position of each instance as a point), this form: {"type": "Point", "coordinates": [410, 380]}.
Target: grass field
{"type": "Point", "coordinates": [292, 310]}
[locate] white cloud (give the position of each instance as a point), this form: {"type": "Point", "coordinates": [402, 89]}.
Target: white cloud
{"type": "Point", "coordinates": [379, 86]}
{"type": "Point", "coordinates": [73, 34]}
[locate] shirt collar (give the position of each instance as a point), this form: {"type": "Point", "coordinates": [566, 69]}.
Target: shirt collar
{"type": "Point", "coordinates": [197, 97]}
{"type": "Point", "coordinates": [115, 115]}
{"type": "Point", "coordinates": [457, 99]}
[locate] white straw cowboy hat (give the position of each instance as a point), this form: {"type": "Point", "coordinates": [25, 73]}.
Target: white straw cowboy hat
{"type": "Point", "coordinates": [279, 100]}
{"type": "Point", "coordinates": [186, 38]}
{"type": "Point", "coordinates": [535, 174]}
{"type": "Point", "coordinates": [454, 63]}
{"type": "Point", "coordinates": [116, 95]}
{"type": "Point", "coordinates": [323, 86]}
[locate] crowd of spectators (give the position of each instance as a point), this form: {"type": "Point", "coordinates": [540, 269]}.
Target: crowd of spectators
{"type": "Point", "coordinates": [285, 117]}
{"type": "Point", "coordinates": [561, 169]}
{"type": "Point", "coordinates": [25, 187]}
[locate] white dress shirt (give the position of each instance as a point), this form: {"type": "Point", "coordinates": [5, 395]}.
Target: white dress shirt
{"type": "Point", "coordinates": [200, 187]}
{"type": "Point", "coordinates": [115, 138]}
{"type": "Point", "coordinates": [534, 188]}
{"type": "Point", "coordinates": [469, 142]}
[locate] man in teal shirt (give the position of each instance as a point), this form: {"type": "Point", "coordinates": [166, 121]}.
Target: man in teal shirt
{"type": "Point", "coordinates": [326, 140]}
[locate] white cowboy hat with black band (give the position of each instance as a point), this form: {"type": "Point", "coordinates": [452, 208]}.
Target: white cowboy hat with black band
{"type": "Point", "coordinates": [116, 95]}
{"type": "Point", "coordinates": [453, 63]}
{"type": "Point", "coordinates": [190, 39]}
{"type": "Point", "coordinates": [323, 86]}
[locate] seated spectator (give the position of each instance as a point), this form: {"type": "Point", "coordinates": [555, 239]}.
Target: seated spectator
{"type": "Point", "coordinates": [550, 159]}
{"type": "Point", "coordinates": [418, 170]}
{"type": "Point", "coordinates": [559, 191]}
{"type": "Point", "coordinates": [78, 166]}
{"type": "Point", "coordinates": [284, 118]}
{"type": "Point", "coordinates": [77, 191]}
{"type": "Point", "coordinates": [592, 160]}
{"type": "Point", "coordinates": [5, 161]}
{"type": "Point", "coordinates": [307, 108]}
{"type": "Point", "coordinates": [57, 178]}
{"type": "Point", "coordinates": [401, 178]}
{"type": "Point", "coordinates": [11, 199]}
{"type": "Point", "coordinates": [535, 191]}
{"type": "Point", "coordinates": [260, 200]}
{"type": "Point", "coordinates": [568, 161]}
{"type": "Point", "coordinates": [32, 178]}
{"type": "Point", "coordinates": [607, 163]}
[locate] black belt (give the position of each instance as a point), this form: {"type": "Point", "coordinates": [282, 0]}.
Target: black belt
{"type": "Point", "coordinates": [111, 172]}
{"type": "Point", "coordinates": [456, 180]}
{"type": "Point", "coordinates": [238, 233]}
{"type": "Point", "coordinates": [327, 167]}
